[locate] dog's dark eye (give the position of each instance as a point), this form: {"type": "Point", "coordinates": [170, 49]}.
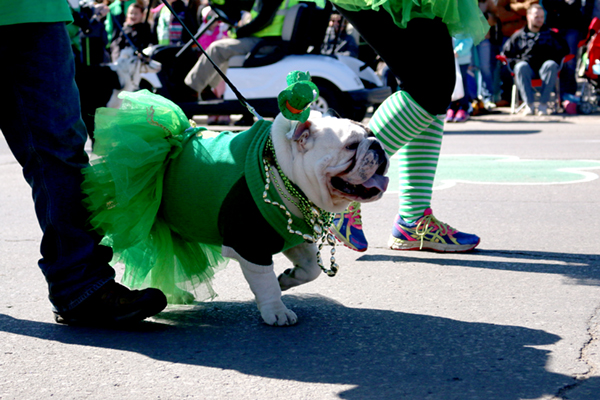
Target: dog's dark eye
{"type": "Point", "coordinates": [352, 146]}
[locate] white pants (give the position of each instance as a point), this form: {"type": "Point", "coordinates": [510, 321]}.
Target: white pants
{"type": "Point", "coordinates": [204, 74]}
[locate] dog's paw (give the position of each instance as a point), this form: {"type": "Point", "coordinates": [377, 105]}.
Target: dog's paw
{"type": "Point", "coordinates": [277, 314]}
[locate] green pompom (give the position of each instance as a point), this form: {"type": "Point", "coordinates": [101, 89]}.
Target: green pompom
{"type": "Point", "coordinates": [297, 76]}
{"type": "Point", "coordinates": [294, 102]}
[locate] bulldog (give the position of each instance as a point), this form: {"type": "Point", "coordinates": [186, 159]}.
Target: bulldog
{"type": "Point", "coordinates": [333, 161]}
{"type": "Point", "coordinates": [253, 194]}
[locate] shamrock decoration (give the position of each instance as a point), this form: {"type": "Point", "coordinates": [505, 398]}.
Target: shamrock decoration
{"type": "Point", "coordinates": [294, 102]}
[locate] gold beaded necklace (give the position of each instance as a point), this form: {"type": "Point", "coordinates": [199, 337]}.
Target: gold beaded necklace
{"type": "Point", "coordinates": [315, 217]}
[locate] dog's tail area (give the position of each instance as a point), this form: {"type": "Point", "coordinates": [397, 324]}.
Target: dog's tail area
{"type": "Point", "coordinates": [124, 189]}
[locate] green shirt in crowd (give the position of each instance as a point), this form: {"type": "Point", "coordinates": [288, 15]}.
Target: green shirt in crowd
{"type": "Point", "coordinates": [28, 11]}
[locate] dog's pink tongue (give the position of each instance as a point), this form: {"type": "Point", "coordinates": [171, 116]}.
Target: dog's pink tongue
{"type": "Point", "coordinates": [377, 181]}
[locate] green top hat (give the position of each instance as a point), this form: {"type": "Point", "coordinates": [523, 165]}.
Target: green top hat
{"type": "Point", "coordinates": [294, 102]}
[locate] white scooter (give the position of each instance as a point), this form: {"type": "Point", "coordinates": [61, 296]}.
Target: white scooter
{"type": "Point", "coordinates": [345, 84]}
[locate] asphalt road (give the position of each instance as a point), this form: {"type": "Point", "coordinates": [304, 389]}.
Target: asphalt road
{"type": "Point", "coordinates": [519, 318]}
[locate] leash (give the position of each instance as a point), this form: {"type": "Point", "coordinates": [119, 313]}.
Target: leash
{"type": "Point", "coordinates": [136, 51]}
{"type": "Point", "coordinates": [197, 35]}
{"type": "Point", "coordinates": [239, 95]}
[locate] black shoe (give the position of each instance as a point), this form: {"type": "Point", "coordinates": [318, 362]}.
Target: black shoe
{"type": "Point", "coordinates": [115, 304]}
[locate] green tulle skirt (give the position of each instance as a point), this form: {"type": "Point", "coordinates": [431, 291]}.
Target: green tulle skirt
{"type": "Point", "coordinates": [462, 17]}
{"type": "Point", "coordinates": [124, 189]}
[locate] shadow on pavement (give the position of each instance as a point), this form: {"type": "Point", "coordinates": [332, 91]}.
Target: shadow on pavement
{"type": "Point", "coordinates": [522, 119]}
{"type": "Point", "coordinates": [383, 354]}
{"type": "Point", "coordinates": [584, 269]}
{"type": "Point", "coordinates": [493, 132]}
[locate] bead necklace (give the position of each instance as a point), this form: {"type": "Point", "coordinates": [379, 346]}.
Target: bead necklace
{"type": "Point", "coordinates": [315, 217]}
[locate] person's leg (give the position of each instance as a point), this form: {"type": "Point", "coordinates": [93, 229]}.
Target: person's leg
{"type": "Point", "coordinates": [426, 86]}
{"type": "Point", "coordinates": [43, 127]}
{"type": "Point", "coordinates": [418, 162]}
{"type": "Point", "coordinates": [523, 76]}
{"type": "Point", "coordinates": [568, 81]}
{"type": "Point", "coordinates": [401, 117]}
{"type": "Point", "coordinates": [548, 74]}
{"type": "Point", "coordinates": [465, 102]}
{"type": "Point", "coordinates": [203, 73]}
{"type": "Point", "coordinates": [486, 89]}
{"type": "Point", "coordinates": [423, 61]}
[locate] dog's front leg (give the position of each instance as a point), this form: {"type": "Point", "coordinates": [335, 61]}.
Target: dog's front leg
{"type": "Point", "coordinates": [306, 269]}
{"type": "Point", "coordinates": [263, 283]}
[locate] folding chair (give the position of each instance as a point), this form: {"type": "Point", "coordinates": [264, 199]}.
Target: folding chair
{"type": "Point", "coordinates": [535, 83]}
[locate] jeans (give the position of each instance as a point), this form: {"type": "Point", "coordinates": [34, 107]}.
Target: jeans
{"type": "Point", "coordinates": [568, 79]}
{"type": "Point", "coordinates": [524, 74]}
{"type": "Point", "coordinates": [465, 101]}
{"type": "Point", "coordinates": [487, 65]}
{"type": "Point", "coordinates": [41, 121]}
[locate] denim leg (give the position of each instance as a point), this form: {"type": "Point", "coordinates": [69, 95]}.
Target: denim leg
{"type": "Point", "coordinates": [568, 80]}
{"type": "Point", "coordinates": [548, 73]}
{"type": "Point", "coordinates": [41, 121]}
{"type": "Point", "coordinates": [487, 61]}
{"type": "Point", "coordinates": [465, 101]}
{"type": "Point", "coordinates": [523, 77]}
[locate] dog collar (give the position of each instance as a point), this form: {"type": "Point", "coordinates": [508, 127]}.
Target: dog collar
{"type": "Point", "coordinates": [316, 218]}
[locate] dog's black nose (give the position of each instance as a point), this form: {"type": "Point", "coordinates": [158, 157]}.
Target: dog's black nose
{"type": "Point", "coordinates": [382, 159]}
{"type": "Point", "coordinates": [378, 149]}
{"type": "Point", "coordinates": [375, 145]}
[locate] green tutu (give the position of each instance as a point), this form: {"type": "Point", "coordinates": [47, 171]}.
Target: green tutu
{"type": "Point", "coordinates": [124, 185]}
{"type": "Point", "coordinates": [462, 17]}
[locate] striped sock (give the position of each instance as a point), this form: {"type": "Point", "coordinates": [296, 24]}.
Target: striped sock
{"type": "Point", "coordinates": [398, 120]}
{"type": "Point", "coordinates": [418, 164]}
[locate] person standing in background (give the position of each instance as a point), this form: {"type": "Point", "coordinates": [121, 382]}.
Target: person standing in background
{"type": "Point", "coordinates": [566, 17]}
{"type": "Point", "coordinates": [410, 123]}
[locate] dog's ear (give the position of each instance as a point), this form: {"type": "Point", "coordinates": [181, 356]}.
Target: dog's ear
{"type": "Point", "coordinates": [331, 113]}
{"type": "Point", "coordinates": [301, 135]}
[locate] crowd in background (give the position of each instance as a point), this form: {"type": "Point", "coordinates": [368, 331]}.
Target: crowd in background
{"type": "Point", "coordinates": [104, 28]}
{"type": "Point", "coordinates": [490, 83]}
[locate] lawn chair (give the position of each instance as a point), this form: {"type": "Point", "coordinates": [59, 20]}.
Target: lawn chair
{"type": "Point", "coordinates": [515, 107]}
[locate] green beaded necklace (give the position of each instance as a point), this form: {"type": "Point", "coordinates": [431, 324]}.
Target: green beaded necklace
{"type": "Point", "coordinates": [319, 219]}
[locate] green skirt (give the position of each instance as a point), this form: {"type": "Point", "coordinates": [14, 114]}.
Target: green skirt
{"type": "Point", "coordinates": [124, 185]}
{"type": "Point", "coordinates": [462, 17]}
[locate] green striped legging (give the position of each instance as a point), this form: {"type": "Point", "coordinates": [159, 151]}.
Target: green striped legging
{"type": "Point", "coordinates": [404, 127]}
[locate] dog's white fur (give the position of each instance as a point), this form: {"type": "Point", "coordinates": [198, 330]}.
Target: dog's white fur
{"type": "Point", "coordinates": [309, 155]}
{"type": "Point", "coordinates": [319, 151]}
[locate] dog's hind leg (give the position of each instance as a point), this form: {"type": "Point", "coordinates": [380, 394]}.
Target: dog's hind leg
{"type": "Point", "coordinates": [306, 269]}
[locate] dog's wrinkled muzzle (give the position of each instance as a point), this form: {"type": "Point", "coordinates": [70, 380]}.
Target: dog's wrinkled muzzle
{"type": "Point", "coordinates": [365, 181]}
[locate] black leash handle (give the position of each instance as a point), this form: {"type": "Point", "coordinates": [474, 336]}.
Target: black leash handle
{"type": "Point", "coordinates": [240, 97]}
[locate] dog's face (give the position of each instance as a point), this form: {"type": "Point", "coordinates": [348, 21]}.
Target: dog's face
{"type": "Point", "coordinates": [333, 160]}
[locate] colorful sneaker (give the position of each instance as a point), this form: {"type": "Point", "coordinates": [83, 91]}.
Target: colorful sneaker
{"type": "Point", "coordinates": [347, 228]}
{"type": "Point", "coordinates": [430, 233]}
{"type": "Point", "coordinates": [449, 115]}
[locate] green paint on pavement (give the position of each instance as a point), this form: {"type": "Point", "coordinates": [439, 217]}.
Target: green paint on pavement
{"type": "Point", "coordinates": [503, 170]}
